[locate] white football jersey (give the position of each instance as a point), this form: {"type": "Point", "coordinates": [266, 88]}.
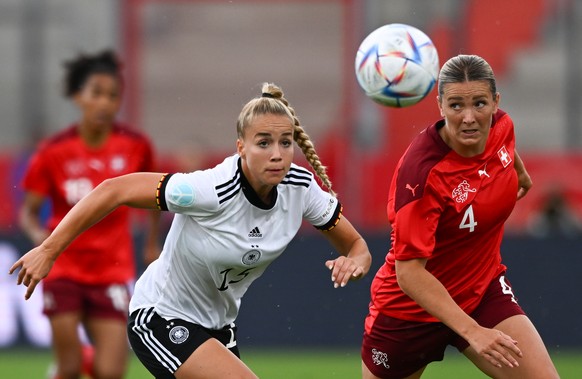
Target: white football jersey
{"type": "Point", "coordinates": [223, 237]}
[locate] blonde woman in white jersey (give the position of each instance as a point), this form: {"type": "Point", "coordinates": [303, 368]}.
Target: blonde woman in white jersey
{"type": "Point", "coordinates": [231, 221]}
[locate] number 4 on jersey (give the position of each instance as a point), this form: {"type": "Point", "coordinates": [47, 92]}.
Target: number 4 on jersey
{"type": "Point", "coordinates": [468, 221]}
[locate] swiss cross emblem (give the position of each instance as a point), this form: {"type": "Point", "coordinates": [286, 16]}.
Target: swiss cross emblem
{"type": "Point", "coordinates": [504, 156]}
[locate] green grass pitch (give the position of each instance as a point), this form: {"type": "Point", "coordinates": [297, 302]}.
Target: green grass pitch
{"type": "Point", "coordinates": [289, 364]}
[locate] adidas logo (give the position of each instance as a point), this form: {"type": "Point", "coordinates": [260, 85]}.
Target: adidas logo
{"type": "Point", "coordinates": [255, 233]}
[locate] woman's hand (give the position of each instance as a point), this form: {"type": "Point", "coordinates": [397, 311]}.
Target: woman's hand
{"type": "Point", "coordinates": [496, 347]}
{"type": "Point", "coordinates": [344, 269]}
{"type": "Point", "coordinates": [524, 182]}
{"type": "Point", "coordinates": [34, 266]}
{"type": "Point", "coordinates": [355, 258]}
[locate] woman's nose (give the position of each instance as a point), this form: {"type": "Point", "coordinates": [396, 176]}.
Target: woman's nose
{"type": "Point", "coordinates": [468, 116]}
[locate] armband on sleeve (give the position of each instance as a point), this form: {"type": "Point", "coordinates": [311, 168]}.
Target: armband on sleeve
{"type": "Point", "coordinates": [337, 215]}
{"type": "Point", "coordinates": [161, 192]}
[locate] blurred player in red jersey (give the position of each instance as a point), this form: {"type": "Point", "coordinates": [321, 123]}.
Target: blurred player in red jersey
{"type": "Point", "coordinates": [443, 282]}
{"type": "Point", "coordinates": [89, 284]}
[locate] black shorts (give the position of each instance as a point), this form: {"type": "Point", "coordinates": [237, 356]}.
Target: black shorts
{"type": "Point", "coordinates": [397, 348]}
{"type": "Point", "coordinates": [163, 345]}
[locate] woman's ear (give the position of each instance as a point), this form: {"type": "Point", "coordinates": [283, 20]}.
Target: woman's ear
{"type": "Point", "coordinates": [438, 99]}
{"type": "Point", "coordinates": [496, 100]}
{"type": "Point", "coordinates": [76, 99]}
{"type": "Point", "coordinates": [240, 148]}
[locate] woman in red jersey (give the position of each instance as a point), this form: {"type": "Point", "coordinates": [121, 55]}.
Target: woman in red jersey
{"type": "Point", "coordinates": [443, 282]}
{"type": "Point", "coordinates": [89, 284]}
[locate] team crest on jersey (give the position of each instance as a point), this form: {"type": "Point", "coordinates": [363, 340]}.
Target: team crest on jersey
{"type": "Point", "coordinates": [251, 257]}
{"type": "Point", "coordinates": [118, 163]}
{"type": "Point", "coordinates": [74, 167]}
{"type": "Point", "coordinates": [179, 334]}
{"type": "Point", "coordinates": [461, 193]}
{"type": "Point", "coordinates": [504, 156]}
{"type": "Point", "coordinates": [380, 358]}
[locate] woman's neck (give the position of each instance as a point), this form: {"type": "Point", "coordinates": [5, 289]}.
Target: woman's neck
{"type": "Point", "coordinates": [94, 136]}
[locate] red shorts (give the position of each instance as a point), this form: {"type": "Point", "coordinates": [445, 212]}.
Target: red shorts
{"type": "Point", "coordinates": [397, 348]}
{"type": "Point", "coordinates": [94, 301]}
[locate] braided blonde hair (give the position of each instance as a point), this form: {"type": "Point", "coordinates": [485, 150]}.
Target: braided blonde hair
{"type": "Point", "coordinates": [273, 101]}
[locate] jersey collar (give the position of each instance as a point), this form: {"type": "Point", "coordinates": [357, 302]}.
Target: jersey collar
{"type": "Point", "coordinates": [250, 193]}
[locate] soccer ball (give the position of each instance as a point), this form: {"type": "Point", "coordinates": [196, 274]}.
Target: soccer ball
{"type": "Point", "coordinates": [397, 65]}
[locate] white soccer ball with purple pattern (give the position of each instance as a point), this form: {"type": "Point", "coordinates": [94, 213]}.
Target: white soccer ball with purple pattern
{"type": "Point", "coordinates": [397, 65]}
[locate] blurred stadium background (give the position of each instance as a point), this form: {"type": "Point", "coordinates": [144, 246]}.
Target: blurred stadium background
{"type": "Point", "coordinates": [190, 65]}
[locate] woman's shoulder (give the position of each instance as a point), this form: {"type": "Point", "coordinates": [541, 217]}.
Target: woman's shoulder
{"type": "Point", "coordinates": [425, 151]}
{"type": "Point", "coordinates": [297, 177]}
{"type": "Point", "coordinates": [62, 136]}
{"type": "Point", "coordinates": [297, 170]}
{"type": "Point", "coordinates": [225, 174]}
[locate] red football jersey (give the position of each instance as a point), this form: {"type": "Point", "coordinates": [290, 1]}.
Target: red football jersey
{"type": "Point", "coordinates": [449, 210]}
{"type": "Point", "coordinates": [65, 169]}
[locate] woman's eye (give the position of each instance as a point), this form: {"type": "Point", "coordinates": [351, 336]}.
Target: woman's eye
{"type": "Point", "coordinates": [287, 143]}
{"type": "Point", "coordinates": [94, 94]}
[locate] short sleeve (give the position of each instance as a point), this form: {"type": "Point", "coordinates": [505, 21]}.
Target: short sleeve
{"type": "Point", "coordinates": [36, 178]}
{"type": "Point", "coordinates": [322, 210]}
{"type": "Point", "coordinates": [187, 193]}
{"type": "Point", "coordinates": [415, 227]}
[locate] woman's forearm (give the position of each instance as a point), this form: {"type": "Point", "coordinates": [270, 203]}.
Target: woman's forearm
{"type": "Point", "coordinates": [135, 190]}
{"type": "Point", "coordinates": [431, 295]}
